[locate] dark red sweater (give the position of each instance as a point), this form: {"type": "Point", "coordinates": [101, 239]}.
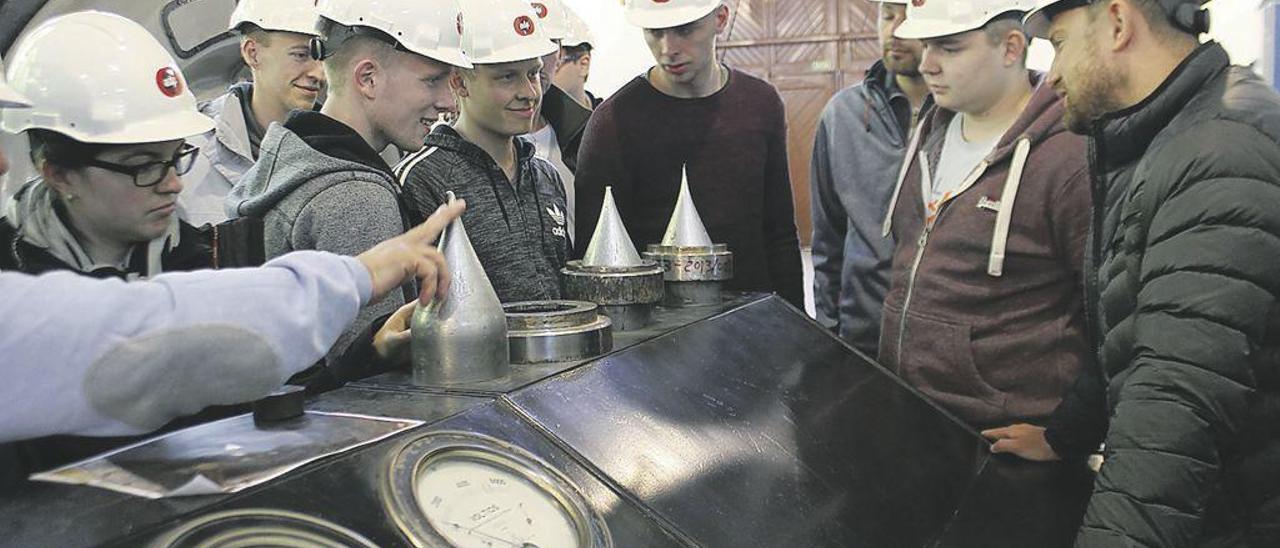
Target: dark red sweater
{"type": "Point", "coordinates": [735, 144]}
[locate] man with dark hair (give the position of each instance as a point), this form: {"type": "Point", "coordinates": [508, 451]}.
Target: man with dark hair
{"type": "Point", "coordinates": [274, 39]}
{"type": "Point", "coordinates": [984, 310]}
{"type": "Point", "coordinates": [319, 182]}
{"type": "Point", "coordinates": [862, 137]}
{"type": "Point", "coordinates": [729, 128]}
{"type": "Point", "coordinates": [1184, 283]}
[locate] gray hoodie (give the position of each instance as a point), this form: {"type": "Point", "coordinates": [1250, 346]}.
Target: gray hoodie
{"type": "Point", "coordinates": [861, 140]}
{"type": "Point", "coordinates": [318, 185]}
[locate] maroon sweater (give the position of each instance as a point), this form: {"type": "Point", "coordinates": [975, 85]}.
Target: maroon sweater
{"type": "Point", "coordinates": [993, 350]}
{"type": "Point", "coordinates": [735, 144]}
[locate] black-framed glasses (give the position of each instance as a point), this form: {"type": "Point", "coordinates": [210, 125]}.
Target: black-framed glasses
{"type": "Point", "coordinates": [150, 174]}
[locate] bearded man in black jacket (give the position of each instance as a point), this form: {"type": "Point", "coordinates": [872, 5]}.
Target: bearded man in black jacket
{"type": "Point", "coordinates": [1183, 279]}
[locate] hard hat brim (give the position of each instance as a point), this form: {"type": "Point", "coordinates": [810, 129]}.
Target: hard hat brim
{"type": "Point", "coordinates": [448, 57]}
{"type": "Point", "coordinates": [667, 18]}
{"type": "Point", "coordinates": [518, 52]}
{"type": "Point", "coordinates": [178, 125]}
{"type": "Point", "coordinates": [925, 29]}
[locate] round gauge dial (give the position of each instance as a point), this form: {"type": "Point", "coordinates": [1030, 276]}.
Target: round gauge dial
{"type": "Point", "coordinates": [476, 501]}
{"type": "Point", "coordinates": [465, 490]}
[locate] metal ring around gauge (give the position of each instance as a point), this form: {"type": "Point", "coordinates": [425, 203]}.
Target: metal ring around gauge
{"type": "Point", "coordinates": [400, 495]}
{"type": "Point", "coordinates": [556, 331]}
{"type": "Point", "coordinates": [264, 527]}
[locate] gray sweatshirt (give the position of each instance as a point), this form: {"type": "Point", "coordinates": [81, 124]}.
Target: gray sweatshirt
{"type": "Point", "coordinates": [518, 230]}
{"type": "Point", "coordinates": [861, 140]}
{"type": "Point", "coordinates": [318, 185]}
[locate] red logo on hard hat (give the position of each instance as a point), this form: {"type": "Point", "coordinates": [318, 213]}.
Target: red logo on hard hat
{"type": "Point", "coordinates": [524, 25]}
{"type": "Point", "coordinates": [918, 3]}
{"type": "Point", "coordinates": [661, 1]}
{"type": "Point", "coordinates": [540, 8]}
{"type": "Point", "coordinates": [169, 82]}
{"type": "Point", "coordinates": [459, 23]}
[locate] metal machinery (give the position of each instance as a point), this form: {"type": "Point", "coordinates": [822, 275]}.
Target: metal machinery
{"type": "Point", "coordinates": [741, 423]}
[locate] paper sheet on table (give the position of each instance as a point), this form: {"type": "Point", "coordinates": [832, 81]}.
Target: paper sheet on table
{"type": "Point", "coordinates": [225, 456]}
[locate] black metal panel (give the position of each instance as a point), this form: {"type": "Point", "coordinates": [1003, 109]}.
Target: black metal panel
{"type": "Point", "coordinates": [665, 320]}
{"type": "Point", "coordinates": [757, 428]}
{"type": "Point", "coordinates": [349, 491]}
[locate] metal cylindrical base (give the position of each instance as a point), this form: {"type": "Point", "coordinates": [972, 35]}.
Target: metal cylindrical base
{"type": "Point", "coordinates": [682, 294]}
{"type": "Point", "coordinates": [629, 317]}
{"type": "Point", "coordinates": [556, 331]}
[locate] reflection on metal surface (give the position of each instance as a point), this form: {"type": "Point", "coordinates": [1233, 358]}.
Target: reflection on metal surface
{"type": "Point", "coordinates": [467, 490]}
{"type": "Point", "coordinates": [613, 275]}
{"type": "Point", "coordinates": [225, 456]}
{"type": "Point", "coordinates": [693, 266]}
{"type": "Point", "coordinates": [260, 528]}
{"type": "Point", "coordinates": [464, 339]}
{"type": "Point", "coordinates": [556, 331]}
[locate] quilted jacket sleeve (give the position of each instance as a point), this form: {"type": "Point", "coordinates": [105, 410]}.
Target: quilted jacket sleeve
{"type": "Point", "coordinates": [1207, 283]}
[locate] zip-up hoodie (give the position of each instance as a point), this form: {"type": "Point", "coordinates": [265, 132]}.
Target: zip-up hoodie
{"type": "Point", "coordinates": [518, 231]}
{"type": "Point", "coordinates": [226, 153]}
{"type": "Point", "coordinates": [993, 328]}
{"type": "Point", "coordinates": [857, 156]}
{"type": "Point", "coordinates": [319, 185]}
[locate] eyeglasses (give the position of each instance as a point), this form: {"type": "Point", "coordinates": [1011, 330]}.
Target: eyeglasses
{"type": "Point", "coordinates": [150, 174]}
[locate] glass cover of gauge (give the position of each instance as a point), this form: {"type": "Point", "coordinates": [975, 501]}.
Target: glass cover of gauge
{"type": "Point", "coordinates": [476, 500]}
{"type": "Point", "coordinates": [469, 490]}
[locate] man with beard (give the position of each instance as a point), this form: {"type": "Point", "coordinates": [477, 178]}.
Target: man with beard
{"type": "Point", "coordinates": [857, 154]}
{"type": "Point", "coordinates": [984, 311]}
{"type": "Point", "coordinates": [1183, 297]}
{"type": "Point", "coordinates": [319, 182]}
{"type": "Point", "coordinates": [274, 43]}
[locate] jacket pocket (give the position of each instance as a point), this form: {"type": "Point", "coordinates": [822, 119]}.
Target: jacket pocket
{"type": "Point", "coordinates": [937, 359]}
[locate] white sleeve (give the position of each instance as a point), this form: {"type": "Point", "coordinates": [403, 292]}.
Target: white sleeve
{"type": "Point", "coordinates": [105, 357]}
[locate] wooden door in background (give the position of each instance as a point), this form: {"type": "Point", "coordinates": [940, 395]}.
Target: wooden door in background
{"type": "Point", "coordinates": [809, 49]}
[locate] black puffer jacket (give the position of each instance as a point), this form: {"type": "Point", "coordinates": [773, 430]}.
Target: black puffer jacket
{"type": "Point", "coordinates": [1186, 306]}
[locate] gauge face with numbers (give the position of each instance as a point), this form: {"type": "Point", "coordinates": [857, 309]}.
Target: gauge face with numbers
{"type": "Point", "coordinates": [467, 490]}
{"type": "Point", "coordinates": [475, 500]}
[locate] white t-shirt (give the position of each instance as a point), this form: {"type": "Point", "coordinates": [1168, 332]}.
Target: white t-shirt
{"type": "Point", "coordinates": [959, 159]}
{"type": "Point", "coordinates": [548, 148]}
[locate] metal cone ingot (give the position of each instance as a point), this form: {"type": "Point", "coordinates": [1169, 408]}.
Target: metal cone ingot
{"type": "Point", "coordinates": [464, 339]}
{"type": "Point", "coordinates": [685, 228]}
{"type": "Point", "coordinates": [611, 246]}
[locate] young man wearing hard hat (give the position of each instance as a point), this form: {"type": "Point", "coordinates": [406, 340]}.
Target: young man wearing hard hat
{"type": "Point", "coordinates": [990, 216]}
{"type": "Point", "coordinates": [516, 219]}
{"type": "Point", "coordinates": [173, 330]}
{"type": "Point", "coordinates": [727, 127]}
{"type": "Point", "coordinates": [857, 155]}
{"type": "Point", "coordinates": [108, 156]}
{"type": "Point", "coordinates": [319, 182]}
{"type": "Point", "coordinates": [275, 36]}
{"type": "Point", "coordinates": [575, 65]}
{"type": "Point", "coordinates": [561, 121]}
{"type": "Point", "coordinates": [1184, 299]}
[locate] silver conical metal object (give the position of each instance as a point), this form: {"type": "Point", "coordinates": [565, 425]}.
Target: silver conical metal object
{"type": "Point", "coordinates": [462, 340]}
{"type": "Point", "coordinates": [685, 228]}
{"type": "Point", "coordinates": [613, 275]}
{"type": "Point", "coordinates": [611, 245]}
{"type": "Point", "coordinates": [693, 267]}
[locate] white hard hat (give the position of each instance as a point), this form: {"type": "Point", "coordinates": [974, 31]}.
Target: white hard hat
{"type": "Point", "coordinates": [100, 78]}
{"type": "Point", "coordinates": [8, 97]}
{"type": "Point", "coordinates": [554, 17]}
{"type": "Point", "coordinates": [937, 18]}
{"type": "Point", "coordinates": [664, 14]}
{"type": "Point", "coordinates": [276, 15]}
{"type": "Point", "coordinates": [502, 31]}
{"type": "Point", "coordinates": [430, 28]}
{"type": "Point", "coordinates": [579, 33]}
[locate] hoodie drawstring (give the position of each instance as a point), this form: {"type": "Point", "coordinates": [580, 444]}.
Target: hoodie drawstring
{"type": "Point", "coordinates": [1000, 239]}
{"type": "Point", "coordinates": [902, 176]}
